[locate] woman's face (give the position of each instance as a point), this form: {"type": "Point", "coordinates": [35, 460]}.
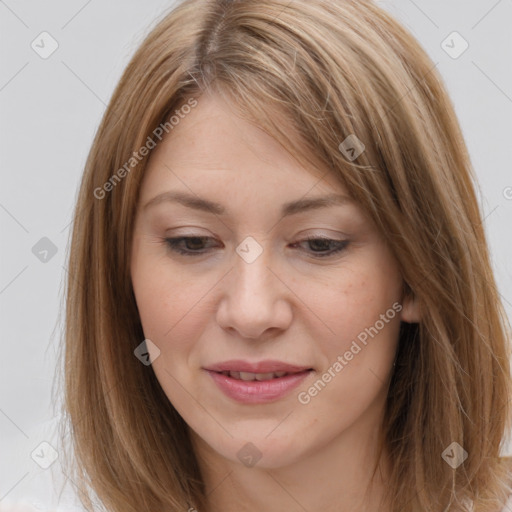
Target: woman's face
{"type": "Point", "coordinates": [250, 288]}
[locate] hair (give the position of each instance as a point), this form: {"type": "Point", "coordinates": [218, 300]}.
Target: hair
{"type": "Point", "coordinates": [331, 68]}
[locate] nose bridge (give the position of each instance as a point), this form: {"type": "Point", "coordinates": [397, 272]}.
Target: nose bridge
{"type": "Point", "coordinates": [251, 302]}
{"type": "Point", "coordinates": [253, 257]}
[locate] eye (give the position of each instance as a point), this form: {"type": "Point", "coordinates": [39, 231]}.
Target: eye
{"type": "Point", "coordinates": [322, 244]}
{"type": "Point", "coordinates": [194, 245]}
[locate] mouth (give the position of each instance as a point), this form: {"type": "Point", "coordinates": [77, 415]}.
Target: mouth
{"type": "Point", "coordinates": [269, 366]}
{"type": "Point", "coordinates": [257, 383]}
{"type": "Point", "coordinates": [249, 376]}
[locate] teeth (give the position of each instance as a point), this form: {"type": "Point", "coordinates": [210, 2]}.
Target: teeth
{"type": "Point", "coordinates": [264, 376]}
{"type": "Point", "coordinates": [247, 376]}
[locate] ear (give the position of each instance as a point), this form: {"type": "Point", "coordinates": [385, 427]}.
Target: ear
{"type": "Point", "coordinates": [411, 312]}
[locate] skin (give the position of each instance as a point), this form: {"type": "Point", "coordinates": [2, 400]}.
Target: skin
{"type": "Point", "coordinates": [288, 305]}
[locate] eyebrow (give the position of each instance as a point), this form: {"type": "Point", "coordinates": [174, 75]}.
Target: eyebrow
{"type": "Point", "coordinates": [287, 209]}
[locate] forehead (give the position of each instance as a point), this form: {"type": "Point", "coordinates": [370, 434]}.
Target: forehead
{"type": "Point", "coordinates": [212, 147]}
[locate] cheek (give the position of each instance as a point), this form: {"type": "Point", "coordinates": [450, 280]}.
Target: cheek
{"type": "Point", "coordinates": [169, 301]}
{"type": "Point", "coordinates": [360, 345]}
{"type": "Point", "coordinates": [355, 299]}
{"type": "Point", "coordinates": [154, 293]}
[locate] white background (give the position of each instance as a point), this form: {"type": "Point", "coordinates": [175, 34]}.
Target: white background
{"type": "Point", "coordinates": [49, 111]}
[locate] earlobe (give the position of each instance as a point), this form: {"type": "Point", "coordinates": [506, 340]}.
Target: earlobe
{"type": "Point", "coordinates": [410, 309]}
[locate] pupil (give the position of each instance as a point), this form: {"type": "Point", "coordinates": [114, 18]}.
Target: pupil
{"type": "Point", "coordinates": [324, 244]}
{"type": "Point", "coordinates": [197, 240]}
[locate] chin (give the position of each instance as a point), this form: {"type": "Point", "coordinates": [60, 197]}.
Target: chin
{"type": "Point", "coordinates": [262, 452]}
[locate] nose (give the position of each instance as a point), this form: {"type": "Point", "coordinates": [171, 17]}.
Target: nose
{"type": "Point", "coordinates": [255, 301]}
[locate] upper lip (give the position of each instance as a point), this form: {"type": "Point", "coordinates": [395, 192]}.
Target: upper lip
{"type": "Point", "coordinates": [268, 366]}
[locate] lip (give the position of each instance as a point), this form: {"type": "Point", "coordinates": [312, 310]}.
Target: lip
{"type": "Point", "coordinates": [257, 392]}
{"type": "Point", "coordinates": [267, 366]}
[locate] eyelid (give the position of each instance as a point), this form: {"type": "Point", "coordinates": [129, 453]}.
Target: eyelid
{"type": "Point", "coordinates": [341, 245]}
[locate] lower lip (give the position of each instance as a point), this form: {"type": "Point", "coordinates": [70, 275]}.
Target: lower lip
{"type": "Point", "coordinates": [257, 392]}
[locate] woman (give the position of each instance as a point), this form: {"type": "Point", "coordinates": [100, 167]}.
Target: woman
{"type": "Point", "coordinates": [280, 293]}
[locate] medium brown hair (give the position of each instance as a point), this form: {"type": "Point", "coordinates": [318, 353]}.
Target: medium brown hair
{"type": "Point", "coordinates": [332, 68]}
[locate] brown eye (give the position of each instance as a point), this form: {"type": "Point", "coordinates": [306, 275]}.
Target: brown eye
{"type": "Point", "coordinates": [194, 245]}
{"type": "Point", "coordinates": [320, 246]}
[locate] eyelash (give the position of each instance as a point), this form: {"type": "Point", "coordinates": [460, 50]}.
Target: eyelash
{"type": "Point", "coordinates": [172, 243]}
